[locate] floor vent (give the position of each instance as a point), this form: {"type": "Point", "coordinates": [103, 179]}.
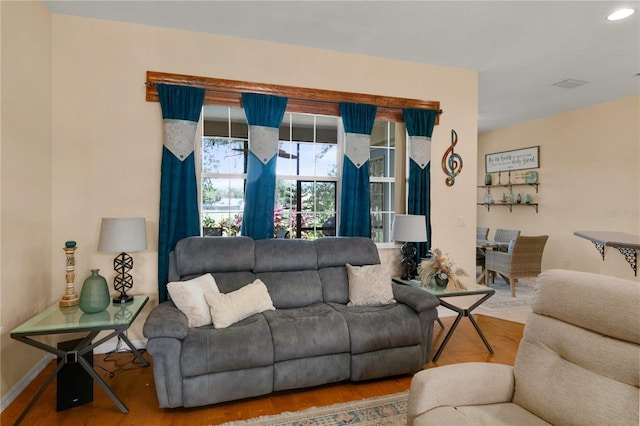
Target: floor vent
{"type": "Point", "coordinates": [569, 83]}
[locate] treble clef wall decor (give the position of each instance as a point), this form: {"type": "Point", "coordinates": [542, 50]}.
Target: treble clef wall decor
{"type": "Point", "coordinates": [452, 166]}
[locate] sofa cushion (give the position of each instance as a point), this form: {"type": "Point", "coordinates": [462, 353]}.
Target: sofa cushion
{"type": "Point", "coordinates": [338, 251]}
{"type": "Point", "coordinates": [310, 331]}
{"type": "Point", "coordinates": [292, 289]}
{"type": "Point", "coordinates": [333, 254]}
{"type": "Point", "coordinates": [188, 296]}
{"type": "Point", "coordinates": [277, 255]}
{"type": "Point", "coordinates": [335, 284]}
{"type": "Point", "coordinates": [198, 255]}
{"type": "Point", "coordinates": [229, 308]}
{"type": "Point", "coordinates": [245, 344]}
{"type": "Point", "coordinates": [369, 285]}
{"type": "Point", "coordinates": [373, 328]}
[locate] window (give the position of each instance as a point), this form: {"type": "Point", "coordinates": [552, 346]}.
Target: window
{"type": "Point", "coordinates": [382, 179]}
{"type": "Point", "coordinates": [307, 174]}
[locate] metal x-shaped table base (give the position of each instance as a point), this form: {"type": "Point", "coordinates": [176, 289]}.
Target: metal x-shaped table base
{"type": "Point", "coordinates": [75, 355]}
{"type": "Point", "coordinates": [463, 312]}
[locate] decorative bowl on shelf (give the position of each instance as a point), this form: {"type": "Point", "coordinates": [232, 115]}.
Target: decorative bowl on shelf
{"type": "Point", "coordinates": [531, 177]}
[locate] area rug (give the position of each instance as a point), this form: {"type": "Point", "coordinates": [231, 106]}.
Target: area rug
{"type": "Point", "coordinates": [387, 410]}
{"type": "Point", "coordinates": [502, 305]}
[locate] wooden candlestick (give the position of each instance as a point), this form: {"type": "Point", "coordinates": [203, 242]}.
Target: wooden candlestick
{"type": "Point", "coordinates": [70, 297]}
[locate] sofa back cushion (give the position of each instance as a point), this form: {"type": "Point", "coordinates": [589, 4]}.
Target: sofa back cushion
{"type": "Point", "coordinates": [289, 269]}
{"type": "Point", "coordinates": [229, 260]}
{"type": "Point", "coordinates": [333, 254]}
{"type": "Point", "coordinates": [578, 359]}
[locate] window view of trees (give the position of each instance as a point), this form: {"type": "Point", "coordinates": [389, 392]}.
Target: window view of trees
{"type": "Point", "coordinates": [307, 175]}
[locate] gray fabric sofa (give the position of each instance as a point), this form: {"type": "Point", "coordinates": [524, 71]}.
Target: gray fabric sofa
{"type": "Point", "coordinates": [578, 363]}
{"type": "Point", "coordinates": [312, 338]}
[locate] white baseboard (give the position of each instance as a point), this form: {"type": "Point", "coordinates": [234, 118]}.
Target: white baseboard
{"type": "Point", "coordinates": [17, 389]}
{"type": "Point", "coordinates": [109, 346]}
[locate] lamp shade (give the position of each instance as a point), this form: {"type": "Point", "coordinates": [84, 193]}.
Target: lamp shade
{"type": "Point", "coordinates": [122, 234]}
{"type": "Point", "coordinates": [409, 228]}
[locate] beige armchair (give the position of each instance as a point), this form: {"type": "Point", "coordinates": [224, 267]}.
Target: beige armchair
{"type": "Point", "coordinates": [524, 261]}
{"type": "Point", "coordinates": [577, 363]}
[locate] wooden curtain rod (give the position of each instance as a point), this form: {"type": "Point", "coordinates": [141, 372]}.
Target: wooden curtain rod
{"type": "Point", "coordinates": [302, 100]}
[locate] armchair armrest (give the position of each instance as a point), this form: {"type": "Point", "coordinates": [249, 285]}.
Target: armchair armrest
{"type": "Point", "coordinates": [497, 260]}
{"type": "Point", "coordinates": [471, 383]}
{"type": "Point", "coordinates": [166, 320]}
{"type": "Point", "coordinates": [416, 299]}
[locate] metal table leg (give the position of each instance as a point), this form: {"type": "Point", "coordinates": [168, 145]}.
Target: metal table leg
{"type": "Point", "coordinates": [76, 354]}
{"type": "Point", "coordinates": [463, 313]}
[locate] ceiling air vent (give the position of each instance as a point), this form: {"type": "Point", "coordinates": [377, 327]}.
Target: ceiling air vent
{"type": "Point", "coordinates": [569, 83]}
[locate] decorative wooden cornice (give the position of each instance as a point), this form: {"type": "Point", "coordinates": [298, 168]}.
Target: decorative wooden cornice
{"type": "Point", "coordinates": [302, 100]}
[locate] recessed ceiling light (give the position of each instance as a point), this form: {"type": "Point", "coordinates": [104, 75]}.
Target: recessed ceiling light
{"type": "Point", "coordinates": [621, 14]}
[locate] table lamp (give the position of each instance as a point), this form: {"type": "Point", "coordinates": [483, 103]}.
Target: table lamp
{"type": "Point", "coordinates": [409, 229]}
{"type": "Point", "coordinates": [121, 235]}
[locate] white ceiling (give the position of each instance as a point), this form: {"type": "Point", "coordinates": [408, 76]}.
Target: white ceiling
{"type": "Point", "coordinates": [519, 48]}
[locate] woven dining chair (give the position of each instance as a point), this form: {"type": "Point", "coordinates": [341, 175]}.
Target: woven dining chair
{"type": "Point", "coordinates": [525, 261]}
{"type": "Point", "coordinates": [481, 234]}
{"type": "Point", "coordinates": [505, 236]}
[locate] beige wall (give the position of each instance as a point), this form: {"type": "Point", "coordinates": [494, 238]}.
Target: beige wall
{"type": "Point", "coordinates": [104, 148]}
{"type": "Point", "coordinates": [26, 246]}
{"type": "Point", "coordinates": [589, 180]}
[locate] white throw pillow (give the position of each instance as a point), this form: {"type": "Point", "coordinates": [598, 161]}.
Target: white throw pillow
{"type": "Point", "coordinates": [229, 308]}
{"type": "Point", "coordinates": [188, 296]}
{"type": "Point", "coordinates": [369, 285]}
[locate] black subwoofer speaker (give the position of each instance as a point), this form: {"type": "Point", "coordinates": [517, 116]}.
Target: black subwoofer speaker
{"type": "Point", "coordinates": [74, 384]}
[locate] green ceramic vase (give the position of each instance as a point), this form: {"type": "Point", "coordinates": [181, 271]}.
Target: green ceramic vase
{"type": "Point", "coordinates": [94, 296]}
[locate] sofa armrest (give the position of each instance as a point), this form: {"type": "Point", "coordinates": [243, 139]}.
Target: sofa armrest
{"type": "Point", "coordinates": [416, 299]}
{"type": "Point", "coordinates": [166, 320]}
{"type": "Point", "coordinates": [471, 383]}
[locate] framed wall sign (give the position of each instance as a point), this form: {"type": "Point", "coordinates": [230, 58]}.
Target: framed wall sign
{"type": "Point", "coordinates": [518, 159]}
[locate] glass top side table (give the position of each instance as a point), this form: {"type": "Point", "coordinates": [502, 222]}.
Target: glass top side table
{"type": "Point", "coordinates": [62, 320]}
{"type": "Point", "coordinates": [442, 294]}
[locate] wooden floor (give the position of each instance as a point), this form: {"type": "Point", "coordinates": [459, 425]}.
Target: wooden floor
{"type": "Point", "coordinates": [135, 387]}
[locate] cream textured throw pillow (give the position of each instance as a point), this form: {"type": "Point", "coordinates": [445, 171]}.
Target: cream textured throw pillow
{"type": "Point", "coordinates": [188, 296]}
{"type": "Point", "coordinates": [369, 285]}
{"type": "Point", "coordinates": [229, 308]}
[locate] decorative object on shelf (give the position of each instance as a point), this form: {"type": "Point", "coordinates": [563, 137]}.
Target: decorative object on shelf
{"type": "Point", "coordinates": [487, 179]}
{"type": "Point", "coordinates": [518, 159]}
{"type": "Point", "coordinates": [527, 199]}
{"type": "Point", "coordinates": [504, 199]}
{"type": "Point", "coordinates": [487, 198]}
{"type": "Point", "coordinates": [451, 162]}
{"type": "Point", "coordinates": [409, 229]}
{"type": "Point", "coordinates": [438, 267]}
{"type": "Point", "coordinates": [519, 198]}
{"type": "Point", "coordinates": [531, 176]}
{"type": "Point", "coordinates": [122, 235]}
{"type": "Point", "coordinates": [94, 296]}
{"type": "Point", "coordinates": [70, 297]}
{"type": "Point", "coordinates": [512, 198]}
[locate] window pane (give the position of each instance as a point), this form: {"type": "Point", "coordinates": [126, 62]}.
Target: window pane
{"type": "Point", "coordinates": [382, 208]}
{"type": "Point", "coordinates": [224, 155]}
{"type": "Point", "coordinates": [225, 122]}
{"type": "Point", "coordinates": [223, 203]}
